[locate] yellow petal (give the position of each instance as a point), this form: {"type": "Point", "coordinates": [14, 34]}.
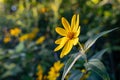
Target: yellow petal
{"type": "Point", "coordinates": [58, 41]}
{"type": "Point", "coordinates": [61, 31]}
{"type": "Point", "coordinates": [68, 46]}
{"type": "Point", "coordinates": [77, 20]}
{"type": "Point", "coordinates": [78, 32]}
{"type": "Point", "coordinates": [58, 65]}
{"type": "Point", "coordinates": [66, 24]}
{"type": "Point", "coordinates": [40, 40]}
{"type": "Point", "coordinates": [75, 41]}
{"type": "Point", "coordinates": [73, 21]}
{"type": "Point", "coordinates": [77, 23]}
{"type": "Point", "coordinates": [62, 43]}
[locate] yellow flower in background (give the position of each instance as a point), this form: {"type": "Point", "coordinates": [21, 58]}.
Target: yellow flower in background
{"type": "Point", "coordinates": [70, 35]}
{"type": "Point", "coordinates": [54, 71]}
{"type": "Point", "coordinates": [95, 1]}
{"type": "Point", "coordinates": [29, 36]}
{"type": "Point", "coordinates": [39, 73]}
{"type": "Point", "coordinates": [6, 39]}
{"type": "Point", "coordinates": [43, 10]}
{"type": "Point", "coordinates": [2, 1]}
{"type": "Point", "coordinates": [33, 34]}
{"type": "Point", "coordinates": [23, 37]}
{"type": "Point", "coordinates": [40, 40]}
{"type": "Point", "coordinates": [15, 32]}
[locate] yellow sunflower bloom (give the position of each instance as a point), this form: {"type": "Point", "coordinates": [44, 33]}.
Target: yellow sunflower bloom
{"type": "Point", "coordinates": [70, 35]}
{"type": "Point", "coordinates": [15, 32]}
{"type": "Point", "coordinates": [23, 37]}
{"type": "Point", "coordinates": [39, 73]}
{"type": "Point", "coordinates": [54, 72]}
{"type": "Point", "coordinates": [7, 39]}
{"type": "Point", "coordinates": [40, 40]}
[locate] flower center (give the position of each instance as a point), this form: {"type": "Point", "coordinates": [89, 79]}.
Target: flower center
{"type": "Point", "coordinates": [70, 35]}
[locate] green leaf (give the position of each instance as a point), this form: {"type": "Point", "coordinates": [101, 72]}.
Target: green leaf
{"type": "Point", "coordinates": [11, 69]}
{"type": "Point", "coordinates": [9, 66]}
{"type": "Point", "coordinates": [71, 61]}
{"type": "Point", "coordinates": [99, 54]}
{"type": "Point", "coordinates": [98, 67]}
{"type": "Point", "coordinates": [19, 47]}
{"type": "Point", "coordinates": [6, 74]}
{"type": "Point", "coordinates": [76, 75]}
{"type": "Point", "coordinates": [93, 39]}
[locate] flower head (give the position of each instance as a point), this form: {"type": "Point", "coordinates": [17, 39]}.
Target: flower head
{"type": "Point", "coordinates": [39, 73]}
{"type": "Point", "coordinates": [54, 71]}
{"type": "Point", "coordinates": [15, 32]}
{"type": "Point", "coordinates": [70, 35]}
{"type": "Point", "coordinates": [7, 39]}
{"type": "Point", "coordinates": [23, 37]}
{"type": "Point", "coordinates": [40, 40]}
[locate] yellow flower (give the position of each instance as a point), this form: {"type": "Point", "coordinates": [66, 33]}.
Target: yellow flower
{"type": "Point", "coordinates": [7, 39]}
{"type": "Point", "coordinates": [23, 37]}
{"type": "Point", "coordinates": [54, 71]}
{"type": "Point", "coordinates": [40, 40]}
{"type": "Point", "coordinates": [95, 1]}
{"type": "Point", "coordinates": [33, 34]}
{"type": "Point", "coordinates": [70, 35]}
{"type": "Point", "coordinates": [2, 1]}
{"type": "Point", "coordinates": [15, 32]}
{"type": "Point", "coordinates": [39, 73]}
{"type": "Point", "coordinates": [43, 10]}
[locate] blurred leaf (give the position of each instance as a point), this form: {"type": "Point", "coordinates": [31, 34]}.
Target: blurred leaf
{"type": "Point", "coordinates": [99, 54]}
{"type": "Point", "coordinates": [76, 75]}
{"type": "Point", "coordinates": [12, 69]}
{"type": "Point", "coordinates": [11, 51]}
{"type": "Point", "coordinates": [93, 39]}
{"type": "Point", "coordinates": [19, 47]}
{"type": "Point", "coordinates": [9, 66]}
{"type": "Point", "coordinates": [25, 77]}
{"type": "Point", "coordinates": [71, 61]}
{"type": "Point", "coordinates": [97, 66]}
{"type": "Point", "coordinates": [6, 74]}
{"type": "Point", "coordinates": [115, 47]}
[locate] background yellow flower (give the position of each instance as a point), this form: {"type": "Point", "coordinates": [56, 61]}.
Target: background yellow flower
{"type": "Point", "coordinates": [23, 37]}
{"type": "Point", "coordinates": [6, 39]}
{"type": "Point", "coordinates": [40, 40]}
{"type": "Point", "coordinates": [15, 32]}
{"type": "Point", "coordinates": [54, 71]}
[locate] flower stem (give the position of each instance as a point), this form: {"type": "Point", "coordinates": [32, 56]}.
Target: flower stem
{"type": "Point", "coordinates": [81, 47]}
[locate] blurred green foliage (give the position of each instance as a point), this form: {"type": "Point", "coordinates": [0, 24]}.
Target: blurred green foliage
{"type": "Point", "coordinates": [19, 59]}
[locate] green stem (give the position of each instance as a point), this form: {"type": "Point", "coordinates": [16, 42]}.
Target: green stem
{"type": "Point", "coordinates": [85, 57]}
{"type": "Point", "coordinates": [82, 51]}
{"type": "Point", "coordinates": [81, 47]}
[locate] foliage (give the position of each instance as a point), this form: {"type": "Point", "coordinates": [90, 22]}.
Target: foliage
{"type": "Point", "coordinates": [27, 36]}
